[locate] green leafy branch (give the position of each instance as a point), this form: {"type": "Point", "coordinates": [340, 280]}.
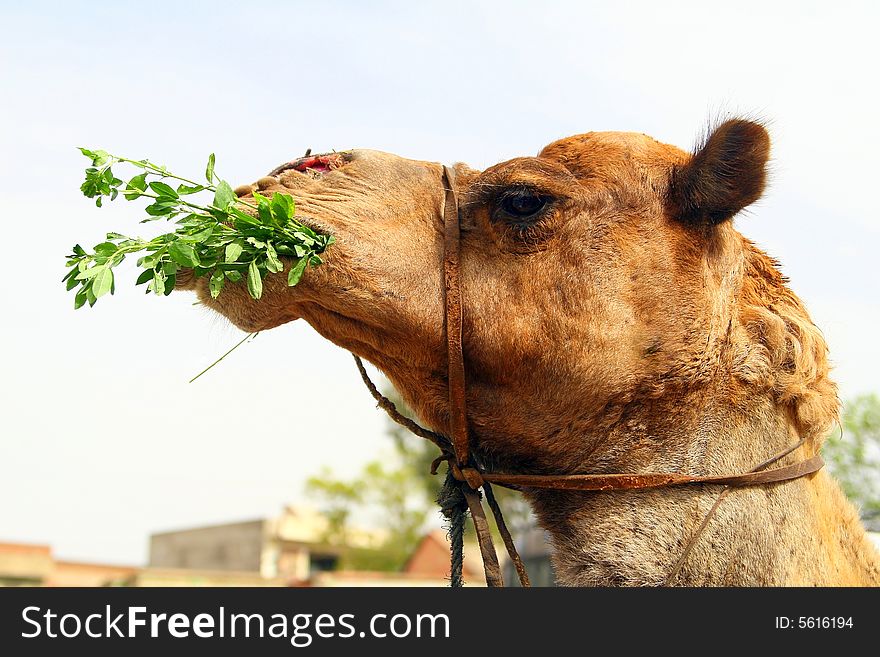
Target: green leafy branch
{"type": "Point", "coordinates": [227, 239]}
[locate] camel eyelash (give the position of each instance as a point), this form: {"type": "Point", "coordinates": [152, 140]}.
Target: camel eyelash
{"type": "Point", "coordinates": [521, 207]}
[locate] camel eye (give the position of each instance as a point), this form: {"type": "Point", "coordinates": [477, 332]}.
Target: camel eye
{"type": "Point", "coordinates": [522, 204]}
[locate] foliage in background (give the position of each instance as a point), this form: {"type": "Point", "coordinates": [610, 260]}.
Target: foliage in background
{"type": "Point", "coordinates": [854, 457]}
{"type": "Point", "coordinates": [391, 494]}
{"type": "Point", "coordinates": [402, 497]}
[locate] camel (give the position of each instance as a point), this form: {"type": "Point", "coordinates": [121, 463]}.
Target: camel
{"type": "Point", "coordinates": [614, 321]}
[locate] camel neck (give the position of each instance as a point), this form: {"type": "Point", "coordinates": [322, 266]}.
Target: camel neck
{"type": "Point", "coordinates": [802, 532]}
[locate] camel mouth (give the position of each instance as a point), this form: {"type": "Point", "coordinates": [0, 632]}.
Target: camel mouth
{"type": "Point", "coordinates": [316, 165]}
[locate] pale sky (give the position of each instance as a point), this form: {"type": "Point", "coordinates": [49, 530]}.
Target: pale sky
{"type": "Point", "coordinates": [104, 441]}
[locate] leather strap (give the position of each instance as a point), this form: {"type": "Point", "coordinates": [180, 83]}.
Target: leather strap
{"type": "Point", "coordinates": [458, 428]}
{"type": "Point", "coordinates": [451, 254]}
{"type": "Point", "coordinates": [606, 482]}
{"type": "Point", "coordinates": [484, 538]}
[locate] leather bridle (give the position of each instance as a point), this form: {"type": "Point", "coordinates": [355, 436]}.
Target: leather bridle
{"type": "Point", "coordinates": [465, 473]}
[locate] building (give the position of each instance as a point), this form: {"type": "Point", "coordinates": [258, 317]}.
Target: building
{"type": "Point", "coordinates": [23, 564]}
{"type": "Point", "coordinates": [291, 547]}
{"type": "Point", "coordinates": [430, 560]}
{"type": "Point", "coordinates": [288, 550]}
{"type": "Point", "coordinates": [533, 546]}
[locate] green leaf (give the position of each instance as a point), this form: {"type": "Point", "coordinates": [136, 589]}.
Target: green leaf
{"type": "Point", "coordinates": [209, 170]}
{"type": "Point", "coordinates": [264, 211]}
{"type": "Point", "coordinates": [224, 196]}
{"type": "Point", "coordinates": [72, 282]}
{"type": "Point", "coordinates": [243, 220]}
{"type": "Point", "coordinates": [183, 190]}
{"type": "Point", "coordinates": [208, 257]}
{"type": "Point", "coordinates": [163, 190]}
{"type": "Point", "coordinates": [145, 276]}
{"type": "Point", "coordinates": [89, 188]}
{"type": "Point", "coordinates": [111, 179]}
{"type": "Point", "coordinates": [200, 236]}
{"type": "Point", "coordinates": [304, 238]}
{"type": "Point", "coordinates": [314, 261]}
{"type": "Point", "coordinates": [158, 284]}
{"type": "Point", "coordinates": [233, 250]}
{"type": "Point", "coordinates": [101, 157]}
{"type": "Point", "coordinates": [97, 157]}
{"type": "Point", "coordinates": [150, 261]}
{"type": "Point", "coordinates": [273, 264]}
{"type": "Point", "coordinates": [139, 182]}
{"type": "Point", "coordinates": [282, 208]}
{"type": "Point", "coordinates": [296, 272]}
{"type": "Point", "coordinates": [305, 230]}
{"type": "Point", "coordinates": [216, 283]}
{"type": "Point", "coordinates": [89, 273]}
{"type": "Point", "coordinates": [160, 208]}
{"type": "Point", "coordinates": [169, 284]}
{"type": "Point", "coordinates": [135, 187]}
{"type": "Point", "coordinates": [102, 282]}
{"type": "Point", "coordinates": [80, 299]}
{"type": "Point", "coordinates": [234, 276]}
{"type": "Point", "coordinates": [254, 281]}
{"type": "Point", "coordinates": [182, 253]}
{"type": "Point", "coordinates": [106, 249]}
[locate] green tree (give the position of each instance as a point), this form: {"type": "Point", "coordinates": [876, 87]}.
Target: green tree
{"type": "Point", "coordinates": [338, 500]}
{"type": "Point", "coordinates": [390, 493]}
{"type": "Point", "coordinates": [397, 493]}
{"type": "Point", "coordinates": [400, 493]}
{"type": "Point", "coordinates": [853, 456]}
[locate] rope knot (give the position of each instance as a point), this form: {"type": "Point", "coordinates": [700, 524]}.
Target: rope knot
{"type": "Point", "coordinates": [469, 475]}
{"type": "Point", "coordinates": [451, 499]}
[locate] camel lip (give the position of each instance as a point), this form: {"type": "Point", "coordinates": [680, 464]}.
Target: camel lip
{"type": "Point", "coordinates": [319, 164]}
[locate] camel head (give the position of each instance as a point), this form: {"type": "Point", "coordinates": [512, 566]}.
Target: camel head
{"type": "Point", "coordinates": [601, 273]}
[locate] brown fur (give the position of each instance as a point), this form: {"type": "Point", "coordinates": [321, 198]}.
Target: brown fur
{"type": "Point", "coordinates": [628, 327]}
{"type": "Point", "coordinates": [725, 175]}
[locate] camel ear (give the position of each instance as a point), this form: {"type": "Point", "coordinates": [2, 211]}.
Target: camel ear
{"type": "Point", "coordinates": [726, 174]}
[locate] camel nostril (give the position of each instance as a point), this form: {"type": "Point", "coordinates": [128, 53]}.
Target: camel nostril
{"type": "Point", "coordinates": [315, 164]}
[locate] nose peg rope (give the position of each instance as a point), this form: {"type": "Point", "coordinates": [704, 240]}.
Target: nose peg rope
{"type": "Point", "coordinates": [456, 499]}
